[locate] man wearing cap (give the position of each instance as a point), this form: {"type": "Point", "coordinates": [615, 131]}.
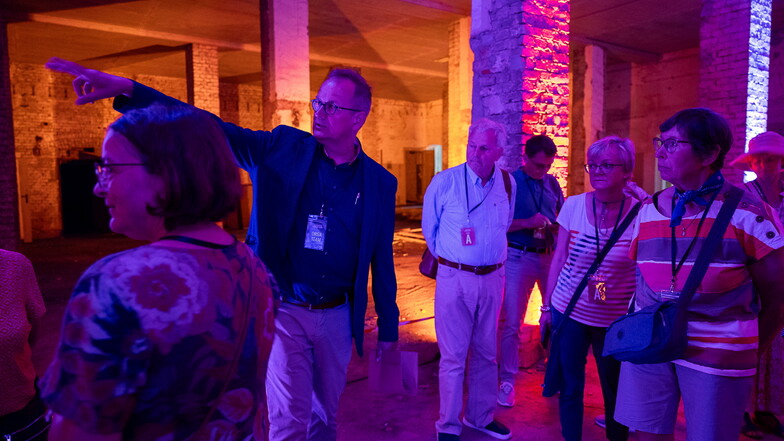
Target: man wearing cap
{"type": "Point", "coordinates": [465, 216]}
{"type": "Point", "coordinates": [764, 158]}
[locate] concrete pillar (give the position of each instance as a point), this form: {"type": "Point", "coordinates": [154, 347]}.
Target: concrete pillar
{"type": "Point", "coordinates": [9, 210]}
{"type": "Point", "coordinates": [587, 87]}
{"type": "Point", "coordinates": [594, 94]}
{"type": "Point", "coordinates": [201, 68]}
{"type": "Point", "coordinates": [285, 56]}
{"type": "Point", "coordinates": [521, 72]}
{"type": "Point", "coordinates": [460, 77]}
{"type": "Point", "coordinates": [734, 66]}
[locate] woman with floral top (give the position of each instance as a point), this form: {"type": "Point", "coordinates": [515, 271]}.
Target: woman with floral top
{"type": "Point", "coordinates": [168, 340]}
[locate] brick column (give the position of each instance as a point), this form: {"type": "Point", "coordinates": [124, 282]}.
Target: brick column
{"type": "Point", "coordinates": [521, 72]}
{"type": "Point", "coordinates": [285, 59]}
{"type": "Point", "coordinates": [521, 79]}
{"type": "Point", "coordinates": [9, 209]}
{"type": "Point", "coordinates": [734, 66]}
{"type": "Point", "coordinates": [201, 68]}
{"type": "Point", "coordinates": [459, 87]}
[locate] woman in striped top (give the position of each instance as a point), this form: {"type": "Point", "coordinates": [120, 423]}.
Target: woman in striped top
{"type": "Point", "coordinates": [736, 308]}
{"type": "Point", "coordinates": [586, 222]}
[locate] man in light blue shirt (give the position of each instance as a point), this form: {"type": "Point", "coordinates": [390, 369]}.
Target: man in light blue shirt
{"type": "Point", "coordinates": [465, 218]}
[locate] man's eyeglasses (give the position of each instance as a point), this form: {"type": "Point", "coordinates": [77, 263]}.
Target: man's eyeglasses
{"type": "Point", "coordinates": [604, 168]}
{"type": "Point", "coordinates": [329, 107]}
{"type": "Point", "coordinates": [104, 171]}
{"type": "Point", "coordinates": [669, 144]}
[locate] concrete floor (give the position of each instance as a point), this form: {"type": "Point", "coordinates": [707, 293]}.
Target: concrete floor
{"type": "Point", "coordinates": [364, 414]}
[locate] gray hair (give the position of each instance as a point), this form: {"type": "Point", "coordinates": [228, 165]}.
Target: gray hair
{"type": "Point", "coordinates": [625, 147]}
{"type": "Point", "coordinates": [484, 124]}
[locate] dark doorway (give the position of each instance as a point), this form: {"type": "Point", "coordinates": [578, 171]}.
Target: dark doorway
{"type": "Point", "coordinates": [420, 166]}
{"type": "Point", "coordinates": [83, 212]}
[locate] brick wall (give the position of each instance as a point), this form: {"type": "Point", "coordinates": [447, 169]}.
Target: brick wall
{"type": "Point", "coordinates": [201, 72]}
{"type": "Point", "coordinates": [521, 72]}
{"type": "Point", "coordinates": [735, 45]}
{"type": "Point", "coordinates": [394, 126]}
{"type": "Point", "coordinates": [9, 218]}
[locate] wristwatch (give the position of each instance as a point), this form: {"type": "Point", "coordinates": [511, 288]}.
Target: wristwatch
{"type": "Point", "coordinates": [544, 308]}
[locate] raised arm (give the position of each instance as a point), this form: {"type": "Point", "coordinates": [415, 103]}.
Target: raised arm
{"type": "Point", "coordinates": [91, 85]}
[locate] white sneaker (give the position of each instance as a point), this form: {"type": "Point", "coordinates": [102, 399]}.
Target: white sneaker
{"type": "Point", "coordinates": [506, 394]}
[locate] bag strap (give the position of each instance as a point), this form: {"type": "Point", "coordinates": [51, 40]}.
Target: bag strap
{"type": "Point", "coordinates": [599, 258]}
{"type": "Point", "coordinates": [507, 185]}
{"type": "Point", "coordinates": [237, 350]}
{"type": "Point", "coordinates": [709, 247]}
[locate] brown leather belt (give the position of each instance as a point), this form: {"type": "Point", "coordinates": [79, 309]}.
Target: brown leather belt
{"type": "Point", "coordinates": [478, 270]}
{"type": "Point", "coordinates": [540, 250]}
{"type": "Point", "coordinates": [327, 305]}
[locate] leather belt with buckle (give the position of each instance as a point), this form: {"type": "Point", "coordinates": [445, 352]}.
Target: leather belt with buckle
{"type": "Point", "coordinates": [540, 250]}
{"type": "Point", "coordinates": [478, 270]}
{"type": "Point", "coordinates": [327, 305]}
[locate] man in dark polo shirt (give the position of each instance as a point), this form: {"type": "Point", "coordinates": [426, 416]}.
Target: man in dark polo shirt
{"type": "Point", "coordinates": [323, 215]}
{"type": "Point", "coordinates": [530, 239]}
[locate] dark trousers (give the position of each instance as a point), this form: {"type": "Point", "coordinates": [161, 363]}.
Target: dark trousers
{"type": "Point", "coordinates": [574, 340]}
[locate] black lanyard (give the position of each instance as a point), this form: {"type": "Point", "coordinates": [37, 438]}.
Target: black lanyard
{"type": "Point", "coordinates": [465, 180]}
{"type": "Point", "coordinates": [596, 221]}
{"type": "Point", "coordinates": [676, 268]}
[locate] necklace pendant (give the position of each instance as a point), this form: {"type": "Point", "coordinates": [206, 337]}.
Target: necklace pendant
{"type": "Point", "coordinates": [683, 232]}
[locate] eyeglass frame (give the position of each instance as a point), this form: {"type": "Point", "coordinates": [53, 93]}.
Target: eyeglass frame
{"type": "Point", "coordinates": [101, 170]}
{"type": "Point", "coordinates": [659, 143]}
{"type": "Point", "coordinates": [605, 167]}
{"type": "Point", "coordinates": [329, 104]}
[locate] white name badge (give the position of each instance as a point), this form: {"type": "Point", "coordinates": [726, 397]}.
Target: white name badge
{"type": "Point", "coordinates": [316, 232]}
{"type": "Point", "coordinates": [467, 236]}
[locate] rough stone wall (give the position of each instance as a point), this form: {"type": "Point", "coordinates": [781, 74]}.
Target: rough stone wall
{"type": "Point", "coordinates": [735, 45]}
{"type": "Point", "coordinates": [521, 72]}
{"type": "Point", "coordinates": [9, 214]}
{"type": "Point", "coordinates": [657, 91]}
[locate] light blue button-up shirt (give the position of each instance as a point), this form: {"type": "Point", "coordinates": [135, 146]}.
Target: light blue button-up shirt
{"type": "Point", "coordinates": [445, 214]}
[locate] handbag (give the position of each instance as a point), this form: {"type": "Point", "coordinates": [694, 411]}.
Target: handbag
{"type": "Point", "coordinates": [552, 376]}
{"type": "Point", "coordinates": [428, 266]}
{"type": "Point", "coordinates": [657, 333]}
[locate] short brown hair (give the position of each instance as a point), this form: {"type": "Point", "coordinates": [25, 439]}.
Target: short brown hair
{"type": "Point", "coordinates": [706, 131]}
{"type": "Point", "coordinates": [362, 91]}
{"type": "Point", "coordinates": [187, 148]}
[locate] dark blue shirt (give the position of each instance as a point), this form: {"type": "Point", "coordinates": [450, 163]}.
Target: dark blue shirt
{"type": "Point", "coordinates": [315, 276]}
{"type": "Point", "coordinates": [535, 196]}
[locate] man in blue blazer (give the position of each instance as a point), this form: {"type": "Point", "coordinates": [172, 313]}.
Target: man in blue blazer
{"type": "Point", "coordinates": [323, 214]}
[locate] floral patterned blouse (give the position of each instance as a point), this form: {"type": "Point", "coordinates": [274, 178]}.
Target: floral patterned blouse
{"type": "Point", "coordinates": [149, 336]}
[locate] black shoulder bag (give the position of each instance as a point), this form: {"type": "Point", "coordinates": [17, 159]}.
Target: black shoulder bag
{"type": "Point", "coordinates": [657, 333]}
{"type": "Point", "coordinates": [552, 377]}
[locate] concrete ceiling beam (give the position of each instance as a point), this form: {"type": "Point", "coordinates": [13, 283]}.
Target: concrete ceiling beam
{"type": "Point", "coordinates": [139, 32]}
